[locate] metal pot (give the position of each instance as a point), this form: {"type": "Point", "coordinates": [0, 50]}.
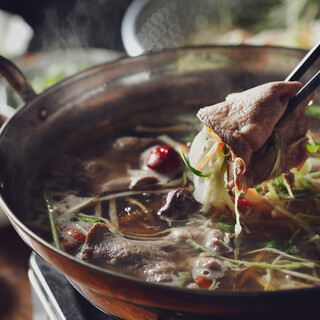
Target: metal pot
{"type": "Point", "coordinates": [96, 103]}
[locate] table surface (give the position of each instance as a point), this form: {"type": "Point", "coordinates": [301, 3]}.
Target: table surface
{"type": "Point", "coordinates": [15, 291]}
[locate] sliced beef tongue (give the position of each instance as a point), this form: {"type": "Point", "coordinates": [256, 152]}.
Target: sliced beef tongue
{"type": "Point", "coordinates": [103, 248]}
{"type": "Point", "coordinates": [177, 204]}
{"type": "Point", "coordinates": [155, 260]}
{"type": "Point", "coordinates": [248, 123]}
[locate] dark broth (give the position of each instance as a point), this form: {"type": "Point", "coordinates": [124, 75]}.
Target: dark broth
{"type": "Point", "coordinates": [93, 184]}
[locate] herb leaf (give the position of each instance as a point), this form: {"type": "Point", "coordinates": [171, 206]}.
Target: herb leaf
{"type": "Point", "coordinates": [311, 148]}
{"type": "Point", "coordinates": [284, 246]}
{"type": "Point", "coordinates": [225, 226]}
{"type": "Point", "coordinates": [192, 169]}
{"type": "Point", "coordinates": [89, 220]}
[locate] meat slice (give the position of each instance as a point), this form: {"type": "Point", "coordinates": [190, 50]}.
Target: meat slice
{"type": "Point", "coordinates": [177, 204]}
{"type": "Point", "coordinates": [157, 260]}
{"type": "Point", "coordinates": [208, 266]}
{"type": "Point", "coordinates": [140, 258]}
{"type": "Point", "coordinates": [248, 123]}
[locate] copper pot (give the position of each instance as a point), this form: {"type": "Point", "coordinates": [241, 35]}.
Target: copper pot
{"type": "Point", "coordinates": [96, 102]}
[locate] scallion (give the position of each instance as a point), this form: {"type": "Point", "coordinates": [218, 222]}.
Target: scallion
{"type": "Point", "coordinates": [192, 169]}
{"type": "Point", "coordinates": [197, 247]}
{"type": "Point", "coordinates": [89, 219]}
{"type": "Point", "coordinates": [52, 222]}
{"type": "Point", "coordinates": [287, 265]}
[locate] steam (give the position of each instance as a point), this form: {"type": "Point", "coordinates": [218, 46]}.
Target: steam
{"type": "Point", "coordinates": [81, 24]}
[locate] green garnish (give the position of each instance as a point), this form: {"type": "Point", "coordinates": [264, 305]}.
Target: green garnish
{"type": "Point", "coordinates": [89, 219]}
{"type": "Point", "coordinates": [192, 169]}
{"type": "Point", "coordinates": [225, 226]}
{"type": "Point", "coordinates": [196, 246]}
{"type": "Point", "coordinates": [267, 244]}
{"type": "Point", "coordinates": [275, 145]}
{"type": "Point", "coordinates": [313, 148]}
{"type": "Point", "coordinates": [284, 246]}
{"type": "Point", "coordinates": [52, 222]}
{"type": "Point", "coordinates": [293, 249]}
{"type": "Point", "coordinates": [305, 183]}
{"type": "Point", "coordinates": [286, 265]}
{"type": "Point", "coordinates": [226, 153]}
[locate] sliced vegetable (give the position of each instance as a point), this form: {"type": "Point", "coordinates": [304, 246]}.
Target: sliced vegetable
{"type": "Point", "coordinates": [225, 226]}
{"type": "Point", "coordinates": [193, 170]}
{"type": "Point", "coordinates": [52, 222]}
{"type": "Point", "coordinates": [237, 227]}
{"type": "Point", "coordinates": [89, 219]}
{"type": "Point", "coordinates": [197, 247]}
{"type": "Point", "coordinates": [285, 265]}
{"type": "Point", "coordinates": [313, 148]}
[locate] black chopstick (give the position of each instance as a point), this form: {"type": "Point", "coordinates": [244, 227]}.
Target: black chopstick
{"type": "Point", "coordinates": [305, 63]}
{"type": "Point", "coordinates": [297, 73]}
{"type": "Point", "coordinates": [302, 94]}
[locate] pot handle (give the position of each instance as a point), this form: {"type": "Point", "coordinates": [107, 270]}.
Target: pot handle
{"type": "Point", "coordinates": [16, 79]}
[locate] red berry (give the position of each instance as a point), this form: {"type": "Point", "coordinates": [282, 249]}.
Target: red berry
{"type": "Point", "coordinates": [163, 159]}
{"type": "Point", "coordinates": [73, 239]}
{"type": "Point", "coordinates": [76, 234]}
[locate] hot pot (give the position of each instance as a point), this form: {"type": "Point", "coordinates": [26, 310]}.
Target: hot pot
{"type": "Point", "coordinates": [96, 103]}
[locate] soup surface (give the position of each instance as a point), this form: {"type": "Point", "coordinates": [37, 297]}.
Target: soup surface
{"type": "Point", "coordinates": [127, 204]}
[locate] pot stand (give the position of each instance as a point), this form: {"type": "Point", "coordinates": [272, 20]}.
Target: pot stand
{"type": "Point", "coordinates": [54, 298]}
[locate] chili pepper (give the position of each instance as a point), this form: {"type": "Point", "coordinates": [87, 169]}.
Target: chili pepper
{"type": "Point", "coordinates": [74, 238]}
{"type": "Point", "coordinates": [203, 282]}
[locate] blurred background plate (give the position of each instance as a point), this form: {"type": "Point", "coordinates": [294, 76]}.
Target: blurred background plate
{"type": "Point", "coordinates": [154, 25]}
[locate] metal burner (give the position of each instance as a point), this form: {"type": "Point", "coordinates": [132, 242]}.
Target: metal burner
{"type": "Point", "coordinates": [54, 298]}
